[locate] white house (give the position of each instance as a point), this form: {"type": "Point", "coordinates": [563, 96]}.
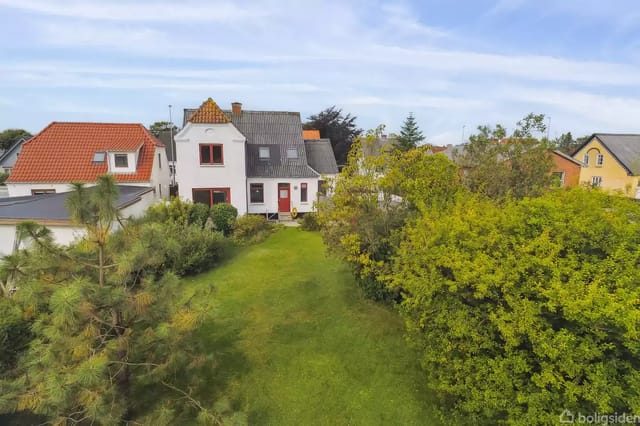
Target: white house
{"type": "Point", "coordinates": [50, 210]}
{"type": "Point", "coordinates": [256, 160]}
{"type": "Point", "coordinates": [80, 152]}
{"type": "Point", "coordinates": [9, 157]}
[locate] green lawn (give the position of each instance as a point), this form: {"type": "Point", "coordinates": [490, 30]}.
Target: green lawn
{"type": "Point", "coordinates": [298, 344]}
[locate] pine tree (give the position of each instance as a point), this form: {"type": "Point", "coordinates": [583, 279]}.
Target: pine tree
{"type": "Point", "coordinates": [410, 134]}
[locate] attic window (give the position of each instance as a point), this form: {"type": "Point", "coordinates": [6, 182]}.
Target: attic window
{"type": "Point", "coordinates": [263, 152]}
{"type": "Point", "coordinates": [99, 156]}
{"type": "Point", "coordinates": [121, 160]}
{"type": "Point", "coordinates": [292, 153]}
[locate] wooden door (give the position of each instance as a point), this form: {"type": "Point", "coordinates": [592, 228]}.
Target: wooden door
{"type": "Point", "coordinates": [284, 197]}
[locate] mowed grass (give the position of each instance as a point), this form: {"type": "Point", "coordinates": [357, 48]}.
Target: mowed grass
{"type": "Point", "coordinates": [298, 344]}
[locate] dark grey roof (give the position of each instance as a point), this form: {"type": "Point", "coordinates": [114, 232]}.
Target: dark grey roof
{"type": "Point", "coordinates": [625, 148]}
{"type": "Point", "coordinates": [320, 156]}
{"type": "Point", "coordinates": [52, 206]}
{"type": "Point", "coordinates": [166, 136]}
{"type": "Point", "coordinates": [278, 165]}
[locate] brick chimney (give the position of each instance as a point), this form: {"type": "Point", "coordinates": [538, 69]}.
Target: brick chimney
{"type": "Point", "coordinates": [236, 108]}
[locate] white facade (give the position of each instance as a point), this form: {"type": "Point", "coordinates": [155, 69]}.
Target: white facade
{"type": "Point", "coordinates": [229, 175]}
{"type": "Point", "coordinates": [271, 198]}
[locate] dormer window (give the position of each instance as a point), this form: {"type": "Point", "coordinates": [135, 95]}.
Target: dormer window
{"type": "Point", "coordinates": [99, 156]}
{"type": "Point", "coordinates": [263, 152]}
{"type": "Point", "coordinates": [121, 160]}
{"type": "Point", "coordinates": [292, 153]}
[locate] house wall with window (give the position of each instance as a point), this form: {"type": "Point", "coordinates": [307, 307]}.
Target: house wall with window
{"type": "Point", "coordinates": [269, 203]}
{"type": "Point", "coordinates": [212, 164]}
{"type": "Point", "coordinates": [600, 166]}
{"type": "Point", "coordinates": [565, 170]}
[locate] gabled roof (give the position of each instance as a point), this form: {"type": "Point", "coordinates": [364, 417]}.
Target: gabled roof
{"type": "Point", "coordinates": [12, 149]}
{"type": "Point", "coordinates": [278, 165]}
{"type": "Point", "coordinates": [625, 148]}
{"type": "Point", "coordinates": [567, 157]}
{"type": "Point", "coordinates": [210, 113]}
{"type": "Point", "coordinates": [310, 134]}
{"type": "Point", "coordinates": [320, 156]}
{"type": "Point", "coordinates": [63, 152]}
{"type": "Point", "coordinates": [52, 206]}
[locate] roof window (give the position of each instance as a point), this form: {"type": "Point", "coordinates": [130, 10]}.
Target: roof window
{"type": "Point", "coordinates": [99, 156]}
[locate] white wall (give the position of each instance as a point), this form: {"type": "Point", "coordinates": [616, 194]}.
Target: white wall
{"type": "Point", "coordinates": [160, 175]}
{"type": "Point", "coordinates": [190, 174]}
{"type": "Point", "coordinates": [139, 208]}
{"type": "Point", "coordinates": [22, 189]}
{"type": "Point", "coordinates": [270, 204]}
{"type": "Point", "coordinates": [61, 235]}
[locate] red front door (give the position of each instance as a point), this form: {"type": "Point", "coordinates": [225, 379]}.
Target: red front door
{"type": "Point", "coordinates": [284, 197]}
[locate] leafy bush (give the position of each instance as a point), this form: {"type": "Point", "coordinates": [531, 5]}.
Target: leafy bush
{"type": "Point", "coordinates": [526, 309]}
{"type": "Point", "coordinates": [176, 210]}
{"type": "Point", "coordinates": [4, 177]}
{"type": "Point", "coordinates": [198, 250]}
{"type": "Point", "coordinates": [252, 228]}
{"type": "Point", "coordinates": [309, 222]}
{"type": "Point", "coordinates": [199, 214]}
{"type": "Point", "coordinates": [224, 217]}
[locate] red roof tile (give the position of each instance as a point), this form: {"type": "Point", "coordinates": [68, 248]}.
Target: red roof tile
{"type": "Point", "coordinates": [210, 113]}
{"type": "Point", "coordinates": [310, 134]}
{"type": "Point", "coordinates": [63, 152]}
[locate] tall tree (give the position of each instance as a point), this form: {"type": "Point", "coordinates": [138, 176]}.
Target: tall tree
{"type": "Point", "coordinates": [160, 127]}
{"type": "Point", "coordinates": [341, 129]}
{"type": "Point", "coordinates": [499, 167]}
{"type": "Point", "coordinates": [107, 327]}
{"type": "Point", "coordinates": [10, 136]}
{"type": "Point", "coordinates": [410, 134]}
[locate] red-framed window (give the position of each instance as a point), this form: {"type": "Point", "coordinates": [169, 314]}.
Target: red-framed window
{"type": "Point", "coordinates": [211, 154]}
{"type": "Point", "coordinates": [303, 193]}
{"type": "Point", "coordinates": [211, 196]}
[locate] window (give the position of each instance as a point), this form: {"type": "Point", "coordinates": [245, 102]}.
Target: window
{"type": "Point", "coordinates": [256, 193]}
{"type": "Point", "coordinates": [121, 160]}
{"type": "Point", "coordinates": [42, 191]}
{"type": "Point", "coordinates": [600, 160]}
{"type": "Point", "coordinates": [558, 179]}
{"type": "Point", "coordinates": [211, 196]}
{"type": "Point", "coordinates": [98, 157]}
{"type": "Point", "coordinates": [292, 153]}
{"type": "Point", "coordinates": [160, 190]}
{"type": "Point", "coordinates": [159, 161]}
{"type": "Point", "coordinates": [263, 152]}
{"type": "Point", "coordinates": [303, 192]}
{"type": "Point", "coordinates": [596, 180]}
{"type": "Point", "coordinates": [211, 154]}
{"type": "Point", "coordinates": [585, 160]}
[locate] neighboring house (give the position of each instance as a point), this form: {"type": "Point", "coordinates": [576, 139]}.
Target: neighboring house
{"type": "Point", "coordinates": [167, 137]}
{"type": "Point", "coordinates": [565, 170]}
{"type": "Point", "coordinates": [80, 152]}
{"type": "Point", "coordinates": [611, 161]}
{"type": "Point", "coordinates": [10, 156]}
{"type": "Point", "coordinates": [311, 134]}
{"type": "Point", "coordinates": [50, 210]}
{"type": "Point", "coordinates": [255, 160]}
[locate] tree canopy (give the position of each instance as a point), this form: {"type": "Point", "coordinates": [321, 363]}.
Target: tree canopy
{"type": "Point", "coordinates": [338, 127]}
{"type": "Point", "coordinates": [410, 134]}
{"type": "Point", "coordinates": [160, 127]}
{"type": "Point", "coordinates": [9, 137]}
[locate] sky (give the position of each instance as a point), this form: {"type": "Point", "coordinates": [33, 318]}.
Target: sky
{"type": "Point", "coordinates": [453, 64]}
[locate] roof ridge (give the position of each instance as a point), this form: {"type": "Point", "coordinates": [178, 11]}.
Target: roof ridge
{"type": "Point", "coordinates": [618, 134]}
{"type": "Point", "coordinates": [209, 113]}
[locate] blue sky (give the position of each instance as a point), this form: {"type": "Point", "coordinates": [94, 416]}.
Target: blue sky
{"type": "Point", "coordinates": [451, 63]}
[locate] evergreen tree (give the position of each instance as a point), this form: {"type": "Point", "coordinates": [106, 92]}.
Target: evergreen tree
{"type": "Point", "coordinates": [339, 128]}
{"type": "Point", "coordinates": [410, 134]}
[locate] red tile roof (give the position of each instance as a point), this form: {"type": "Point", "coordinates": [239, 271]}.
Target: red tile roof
{"type": "Point", "coordinates": [310, 134]}
{"type": "Point", "coordinates": [63, 152]}
{"type": "Point", "coordinates": [210, 113]}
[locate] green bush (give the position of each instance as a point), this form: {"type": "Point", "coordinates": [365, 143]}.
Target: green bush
{"type": "Point", "coordinates": [199, 214]}
{"type": "Point", "coordinates": [252, 229]}
{"type": "Point", "coordinates": [4, 177]}
{"type": "Point", "coordinates": [176, 210]}
{"type": "Point", "coordinates": [198, 250]}
{"type": "Point", "coordinates": [309, 222]}
{"type": "Point", "coordinates": [224, 217]}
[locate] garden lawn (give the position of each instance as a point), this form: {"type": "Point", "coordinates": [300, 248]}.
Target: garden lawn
{"type": "Point", "coordinates": [298, 344]}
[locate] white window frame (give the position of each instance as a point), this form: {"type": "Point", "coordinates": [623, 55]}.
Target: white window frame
{"type": "Point", "coordinates": [596, 181]}
{"type": "Point", "coordinates": [292, 153]}
{"type": "Point", "coordinates": [585, 159]}
{"type": "Point", "coordinates": [264, 153]}
{"type": "Point", "coordinates": [600, 160]}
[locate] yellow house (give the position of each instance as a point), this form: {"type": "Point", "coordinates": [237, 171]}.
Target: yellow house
{"type": "Point", "coordinates": [612, 162]}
